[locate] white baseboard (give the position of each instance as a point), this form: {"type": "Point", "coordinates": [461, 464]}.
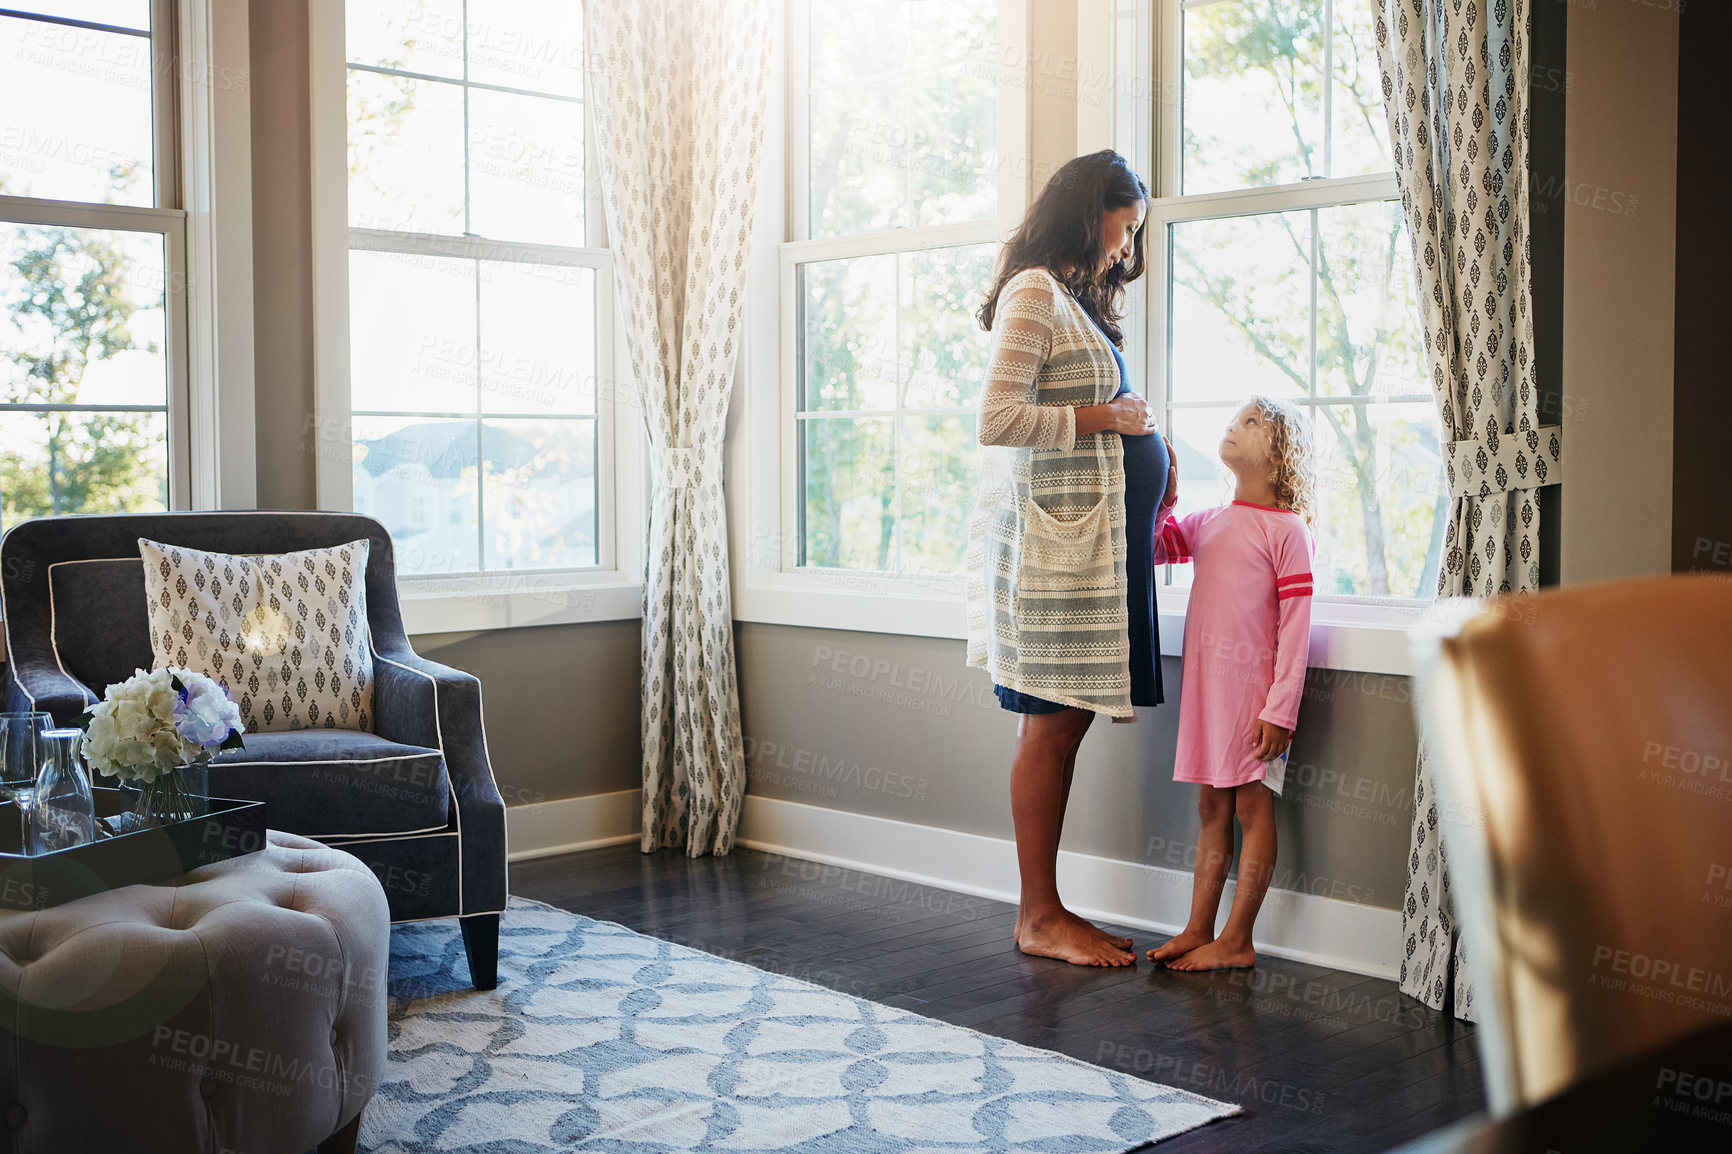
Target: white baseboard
{"type": "Point", "coordinates": [572, 823]}
{"type": "Point", "coordinates": [1341, 935]}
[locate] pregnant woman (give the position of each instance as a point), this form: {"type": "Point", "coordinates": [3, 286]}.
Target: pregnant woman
{"type": "Point", "coordinates": [1061, 607]}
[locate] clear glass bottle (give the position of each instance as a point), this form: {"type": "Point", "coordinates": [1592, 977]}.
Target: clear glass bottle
{"type": "Point", "coordinates": [63, 815]}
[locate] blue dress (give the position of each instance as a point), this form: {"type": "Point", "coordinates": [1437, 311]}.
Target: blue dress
{"type": "Point", "coordinates": [1146, 468]}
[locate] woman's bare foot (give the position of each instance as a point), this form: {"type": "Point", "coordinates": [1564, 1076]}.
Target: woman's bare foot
{"type": "Point", "coordinates": [1217, 955]}
{"type": "Point", "coordinates": [1111, 939]}
{"type": "Point", "coordinates": [1068, 941]}
{"type": "Point", "coordinates": [1177, 947]}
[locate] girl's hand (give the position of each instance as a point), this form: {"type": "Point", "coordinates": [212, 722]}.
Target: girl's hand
{"type": "Point", "coordinates": [1270, 740]}
{"type": "Point", "coordinates": [1172, 495]}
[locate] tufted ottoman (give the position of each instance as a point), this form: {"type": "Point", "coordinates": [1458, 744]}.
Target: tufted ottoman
{"type": "Point", "coordinates": [240, 1011]}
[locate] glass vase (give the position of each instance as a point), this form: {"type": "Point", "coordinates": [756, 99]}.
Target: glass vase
{"type": "Point", "coordinates": [180, 794]}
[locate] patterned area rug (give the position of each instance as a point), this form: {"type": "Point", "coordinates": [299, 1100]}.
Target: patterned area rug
{"type": "Point", "coordinates": [600, 1038]}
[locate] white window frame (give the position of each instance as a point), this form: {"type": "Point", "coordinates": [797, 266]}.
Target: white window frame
{"type": "Point", "coordinates": [203, 173]}
{"type": "Point", "coordinates": [612, 590]}
{"type": "Point", "coordinates": [1362, 634]}
{"type": "Point", "coordinates": [763, 492]}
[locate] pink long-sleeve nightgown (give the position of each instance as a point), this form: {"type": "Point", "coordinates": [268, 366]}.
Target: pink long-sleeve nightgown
{"type": "Point", "coordinates": [1247, 630]}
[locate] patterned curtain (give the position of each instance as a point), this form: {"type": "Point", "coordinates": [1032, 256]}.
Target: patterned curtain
{"type": "Point", "coordinates": [679, 92]}
{"type": "Point", "coordinates": [1455, 77]}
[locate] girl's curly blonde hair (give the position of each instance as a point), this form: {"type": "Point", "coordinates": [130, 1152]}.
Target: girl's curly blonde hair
{"type": "Point", "coordinates": [1290, 445]}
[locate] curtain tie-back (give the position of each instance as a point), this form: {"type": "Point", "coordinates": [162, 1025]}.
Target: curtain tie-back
{"type": "Point", "coordinates": [1482, 466]}
{"type": "Point", "coordinates": [687, 467]}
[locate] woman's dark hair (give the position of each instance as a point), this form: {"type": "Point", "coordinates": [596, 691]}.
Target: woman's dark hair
{"type": "Point", "coordinates": [1063, 227]}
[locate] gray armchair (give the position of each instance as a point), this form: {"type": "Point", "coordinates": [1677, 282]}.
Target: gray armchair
{"type": "Point", "coordinates": [415, 799]}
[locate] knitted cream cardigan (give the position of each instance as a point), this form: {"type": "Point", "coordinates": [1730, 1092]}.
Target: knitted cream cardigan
{"type": "Point", "coordinates": [1046, 544]}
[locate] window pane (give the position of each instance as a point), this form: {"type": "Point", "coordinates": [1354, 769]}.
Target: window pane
{"type": "Point", "coordinates": [81, 462]}
{"type": "Point", "coordinates": [901, 323]}
{"type": "Point", "coordinates": [1369, 341]}
{"type": "Point", "coordinates": [525, 168]}
{"type": "Point", "coordinates": [539, 491]}
{"type": "Point", "coordinates": [412, 341]}
{"type": "Point", "coordinates": [417, 477]}
{"type": "Point", "coordinates": [533, 44]}
{"type": "Point", "coordinates": [83, 325]}
{"type": "Point", "coordinates": [1252, 105]}
{"type": "Point", "coordinates": [83, 316]}
{"type": "Point", "coordinates": [423, 36]}
{"type": "Point", "coordinates": [849, 309]}
{"type": "Point", "coordinates": [1381, 501]}
{"type": "Point", "coordinates": [1241, 320]}
{"type": "Point", "coordinates": [903, 110]}
{"type": "Point", "coordinates": [938, 459]}
{"type": "Point", "coordinates": [75, 114]}
{"type": "Point", "coordinates": [944, 356]}
{"type": "Point", "coordinates": [537, 338]}
{"type": "Point", "coordinates": [850, 511]}
{"type": "Point", "coordinates": [1359, 134]}
{"type": "Point", "coordinates": [405, 154]}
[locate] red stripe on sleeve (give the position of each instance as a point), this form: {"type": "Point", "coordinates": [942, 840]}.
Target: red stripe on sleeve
{"type": "Point", "coordinates": [1294, 579]}
{"type": "Point", "coordinates": [1293, 591]}
{"type": "Point", "coordinates": [1173, 541]}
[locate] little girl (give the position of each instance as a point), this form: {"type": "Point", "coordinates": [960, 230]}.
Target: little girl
{"type": "Point", "coordinates": [1246, 632]}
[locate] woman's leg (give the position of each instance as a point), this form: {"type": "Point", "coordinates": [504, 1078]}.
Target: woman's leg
{"type": "Point", "coordinates": [1045, 744]}
{"type": "Point", "coordinates": [1256, 810]}
{"type": "Point", "coordinates": [1209, 878]}
{"type": "Point", "coordinates": [1064, 805]}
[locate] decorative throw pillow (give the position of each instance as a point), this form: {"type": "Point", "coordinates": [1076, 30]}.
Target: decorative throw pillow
{"type": "Point", "coordinates": [285, 632]}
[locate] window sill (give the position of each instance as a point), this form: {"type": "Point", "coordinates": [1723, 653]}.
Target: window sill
{"type": "Point", "coordinates": [865, 602]}
{"type": "Point", "coordinates": [1349, 636]}
{"type": "Point", "coordinates": [514, 601]}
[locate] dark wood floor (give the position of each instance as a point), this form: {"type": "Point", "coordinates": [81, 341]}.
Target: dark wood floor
{"type": "Point", "coordinates": [1321, 1060]}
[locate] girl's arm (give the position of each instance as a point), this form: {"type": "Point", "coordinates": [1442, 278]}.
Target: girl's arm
{"type": "Point", "coordinates": [1172, 545]}
{"type": "Point", "coordinates": [1293, 589]}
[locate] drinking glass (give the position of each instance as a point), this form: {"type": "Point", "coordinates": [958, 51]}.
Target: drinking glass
{"type": "Point", "coordinates": [21, 752]}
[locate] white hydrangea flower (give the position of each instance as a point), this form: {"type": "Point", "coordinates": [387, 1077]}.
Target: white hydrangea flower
{"type": "Point", "coordinates": [134, 732]}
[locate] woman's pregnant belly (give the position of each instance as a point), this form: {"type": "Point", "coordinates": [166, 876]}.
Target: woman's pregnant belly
{"type": "Point", "coordinates": [1146, 468]}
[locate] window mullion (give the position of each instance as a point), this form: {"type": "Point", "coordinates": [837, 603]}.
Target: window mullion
{"type": "Point", "coordinates": [1316, 270]}
{"type": "Point", "coordinates": [1328, 88]}
{"type": "Point", "coordinates": [468, 209]}
{"type": "Point", "coordinates": [165, 102]}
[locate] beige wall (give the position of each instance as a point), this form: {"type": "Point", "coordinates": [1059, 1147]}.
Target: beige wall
{"type": "Point", "coordinates": [282, 286]}
{"type": "Point", "coordinates": [561, 705]}
{"type": "Point", "coordinates": [899, 728]}
{"type": "Point", "coordinates": [1620, 236]}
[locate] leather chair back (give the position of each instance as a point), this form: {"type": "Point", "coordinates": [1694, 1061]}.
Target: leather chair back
{"type": "Point", "coordinates": [1581, 744]}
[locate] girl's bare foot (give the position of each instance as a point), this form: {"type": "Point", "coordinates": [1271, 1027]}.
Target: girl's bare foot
{"type": "Point", "coordinates": [1187, 941]}
{"type": "Point", "coordinates": [1065, 939]}
{"type": "Point", "coordinates": [1217, 955]}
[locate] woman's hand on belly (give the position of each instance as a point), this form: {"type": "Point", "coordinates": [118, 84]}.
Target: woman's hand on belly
{"type": "Point", "coordinates": [1126, 413]}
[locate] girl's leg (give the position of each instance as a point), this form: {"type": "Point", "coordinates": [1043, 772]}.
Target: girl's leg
{"type": "Point", "coordinates": [1214, 852]}
{"type": "Point", "coordinates": [1256, 810]}
{"type": "Point", "coordinates": [1045, 744]}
